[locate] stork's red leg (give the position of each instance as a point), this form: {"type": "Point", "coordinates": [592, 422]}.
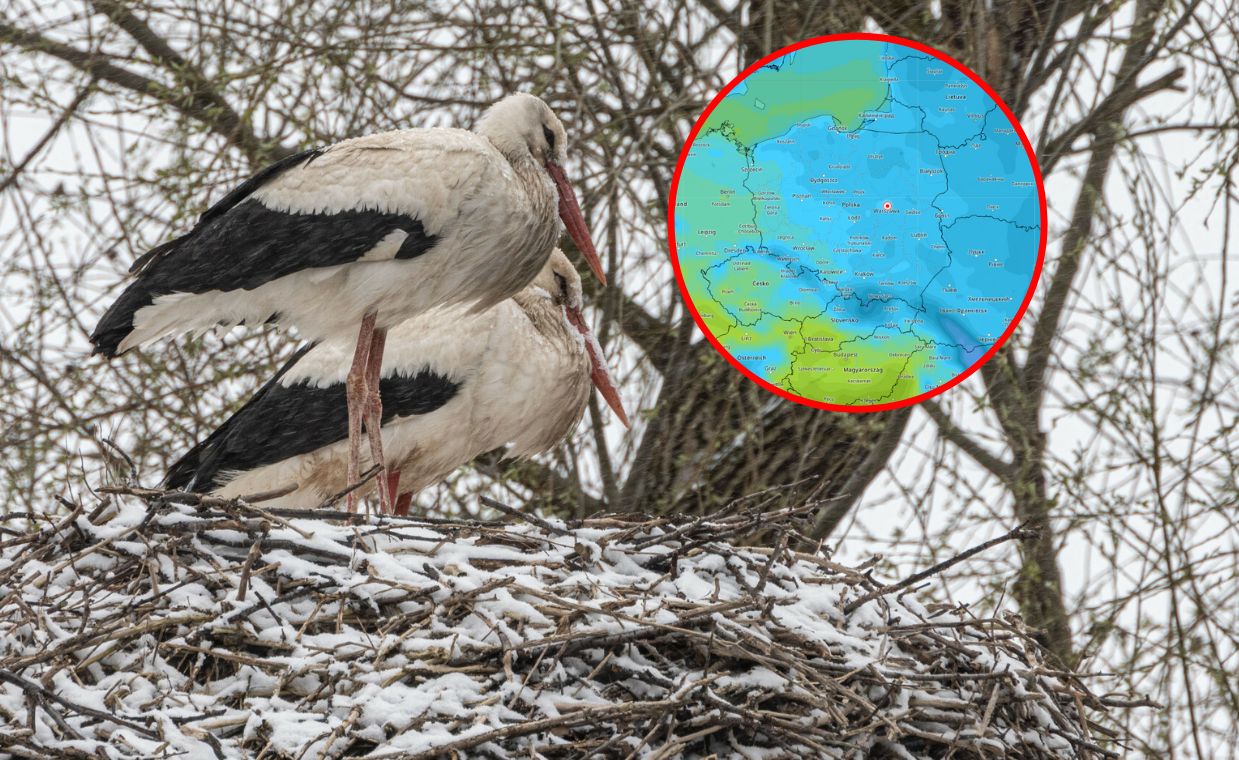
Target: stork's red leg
{"type": "Point", "coordinates": [404, 499]}
{"type": "Point", "coordinates": [393, 481]}
{"type": "Point", "coordinates": [402, 503]}
{"type": "Point", "coordinates": [355, 394]}
{"type": "Point", "coordinates": [374, 414]}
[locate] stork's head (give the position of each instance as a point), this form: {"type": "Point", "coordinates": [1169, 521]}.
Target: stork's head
{"type": "Point", "coordinates": [560, 279]}
{"type": "Point", "coordinates": [521, 127]}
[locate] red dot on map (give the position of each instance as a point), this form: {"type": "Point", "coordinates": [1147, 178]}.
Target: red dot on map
{"type": "Point", "coordinates": [887, 205]}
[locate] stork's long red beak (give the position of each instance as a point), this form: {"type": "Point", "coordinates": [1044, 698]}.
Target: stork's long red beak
{"type": "Point", "coordinates": [598, 367]}
{"type": "Point", "coordinates": [570, 212]}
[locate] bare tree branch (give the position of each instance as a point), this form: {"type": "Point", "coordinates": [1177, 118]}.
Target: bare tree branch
{"type": "Point", "coordinates": [951, 432]}
{"type": "Point", "coordinates": [833, 512]}
{"type": "Point", "coordinates": [47, 137]}
{"type": "Point", "coordinates": [199, 105]}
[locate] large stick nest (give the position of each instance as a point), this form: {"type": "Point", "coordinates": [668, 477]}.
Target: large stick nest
{"type": "Point", "coordinates": [159, 625]}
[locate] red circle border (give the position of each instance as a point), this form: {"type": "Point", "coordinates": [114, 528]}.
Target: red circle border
{"type": "Point", "coordinates": [1032, 285]}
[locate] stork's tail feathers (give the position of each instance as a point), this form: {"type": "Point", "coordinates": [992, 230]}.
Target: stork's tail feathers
{"type": "Point", "coordinates": [117, 323]}
{"type": "Point", "coordinates": [115, 333]}
{"type": "Point", "coordinates": [183, 475]}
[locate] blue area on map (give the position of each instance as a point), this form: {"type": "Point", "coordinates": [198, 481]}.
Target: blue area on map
{"type": "Point", "coordinates": [921, 225]}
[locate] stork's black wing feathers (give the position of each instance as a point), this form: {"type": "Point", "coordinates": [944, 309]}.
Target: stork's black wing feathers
{"type": "Point", "coordinates": [241, 244]}
{"type": "Point", "coordinates": [265, 175]}
{"type": "Point", "coordinates": [234, 196]}
{"type": "Point", "coordinates": [197, 461]}
{"type": "Point", "coordinates": [283, 421]}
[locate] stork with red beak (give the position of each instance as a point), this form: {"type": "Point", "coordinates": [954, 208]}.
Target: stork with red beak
{"type": "Point", "coordinates": [456, 384]}
{"type": "Point", "coordinates": [368, 232]}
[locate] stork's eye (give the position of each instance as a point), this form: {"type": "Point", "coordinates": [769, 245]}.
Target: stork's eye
{"type": "Point", "coordinates": [562, 283]}
{"type": "Point", "coordinates": [549, 135]}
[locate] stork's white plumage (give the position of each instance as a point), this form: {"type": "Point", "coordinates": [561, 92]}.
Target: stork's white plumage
{"type": "Point", "coordinates": [368, 232]}
{"type": "Point", "coordinates": [456, 383]}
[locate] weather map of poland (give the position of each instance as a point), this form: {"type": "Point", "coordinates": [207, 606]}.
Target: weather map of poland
{"type": "Point", "coordinates": [858, 223]}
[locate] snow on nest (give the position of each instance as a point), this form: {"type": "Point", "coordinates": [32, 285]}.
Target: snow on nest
{"type": "Point", "coordinates": [142, 627]}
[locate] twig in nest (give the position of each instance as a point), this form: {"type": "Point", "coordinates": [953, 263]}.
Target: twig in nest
{"type": "Point", "coordinates": [528, 517]}
{"type": "Point", "coordinates": [108, 443]}
{"type": "Point", "coordinates": [51, 696]}
{"type": "Point", "coordinates": [274, 493]}
{"type": "Point", "coordinates": [366, 477]}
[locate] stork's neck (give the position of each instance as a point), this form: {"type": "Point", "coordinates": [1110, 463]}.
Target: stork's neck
{"type": "Point", "coordinates": [547, 317]}
{"type": "Point", "coordinates": [543, 197]}
{"type": "Point", "coordinates": [512, 146]}
{"type": "Point", "coordinates": [530, 171]}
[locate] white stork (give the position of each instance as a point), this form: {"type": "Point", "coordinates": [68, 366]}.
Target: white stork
{"type": "Point", "coordinates": [369, 232]}
{"type": "Point", "coordinates": [456, 384]}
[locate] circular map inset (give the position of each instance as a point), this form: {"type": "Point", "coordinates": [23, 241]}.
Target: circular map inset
{"type": "Point", "coordinates": [857, 222]}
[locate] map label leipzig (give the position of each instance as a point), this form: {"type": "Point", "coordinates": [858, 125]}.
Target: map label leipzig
{"type": "Point", "coordinates": [857, 222]}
